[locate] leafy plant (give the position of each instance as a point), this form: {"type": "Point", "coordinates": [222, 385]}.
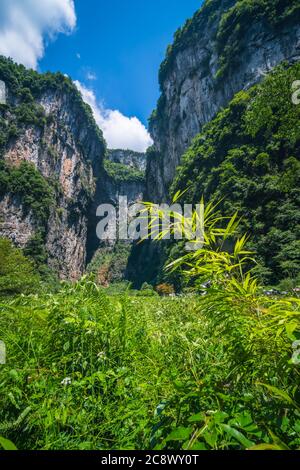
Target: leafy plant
{"type": "Point", "coordinates": [6, 444]}
{"type": "Point", "coordinates": [17, 273]}
{"type": "Point", "coordinates": [237, 311]}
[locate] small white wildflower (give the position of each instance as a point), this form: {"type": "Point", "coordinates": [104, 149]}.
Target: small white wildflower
{"type": "Point", "coordinates": [67, 381]}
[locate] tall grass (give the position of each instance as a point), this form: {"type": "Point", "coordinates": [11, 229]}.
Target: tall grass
{"type": "Point", "coordinates": [90, 371]}
{"type": "Point", "coordinates": [258, 332]}
{"type": "Point", "coordinates": [87, 371]}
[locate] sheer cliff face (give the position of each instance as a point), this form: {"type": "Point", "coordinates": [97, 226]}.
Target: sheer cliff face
{"type": "Point", "coordinates": [123, 176]}
{"type": "Point", "coordinates": [81, 153]}
{"type": "Point", "coordinates": [67, 150]}
{"type": "Point", "coordinates": [193, 90]}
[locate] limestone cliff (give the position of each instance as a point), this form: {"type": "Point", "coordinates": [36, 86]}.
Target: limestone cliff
{"type": "Point", "coordinates": [49, 133]}
{"type": "Point", "coordinates": [226, 47]}
{"type": "Point", "coordinates": [123, 176]}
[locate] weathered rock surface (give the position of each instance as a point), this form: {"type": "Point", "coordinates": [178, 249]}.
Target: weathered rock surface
{"type": "Point", "coordinates": [69, 153]}
{"type": "Point", "coordinates": [45, 123]}
{"type": "Point", "coordinates": [111, 187]}
{"type": "Point", "coordinates": [135, 160]}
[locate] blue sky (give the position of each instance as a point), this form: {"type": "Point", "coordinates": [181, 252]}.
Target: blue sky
{"type": "Point", "coordinates": [122, 43]}
{"type": "Point", "coordinates": [112, 49]}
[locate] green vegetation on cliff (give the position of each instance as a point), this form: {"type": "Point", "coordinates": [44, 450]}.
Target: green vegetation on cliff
{"type": "Point", "coordinates": [122, 173]}
{"type": "Point", "coordinates": [249, 157]}
{"type": "Point", "coordinates": [229, 22]}
{"type": "Point", "coordinates": [232, 26]}
{"type": "Point", "coordinates": [187, 35]}
{"type": "Point", "coordinates": [235, 22]}
{"type": "Point", "coordinates": [26, 182]}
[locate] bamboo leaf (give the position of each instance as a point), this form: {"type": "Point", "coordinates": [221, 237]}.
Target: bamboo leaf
{"type": "Point", "coordinates": [6, 444]}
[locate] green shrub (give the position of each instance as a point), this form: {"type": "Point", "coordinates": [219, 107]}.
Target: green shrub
{"type": "Point", "coordinates": [146, 286]}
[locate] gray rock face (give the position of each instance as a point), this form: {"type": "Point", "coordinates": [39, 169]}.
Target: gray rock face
{"type": "Point", "coordinates": [129, 158]}
{"type": "Point", "coordinates": [69, 153]}
{"type": "Point", "coordinates": [191, 95]}
{"type": "Point", "coordinates": [111, 188]}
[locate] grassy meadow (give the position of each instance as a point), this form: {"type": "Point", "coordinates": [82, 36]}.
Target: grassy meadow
{"type": "Point", "coordinates": [86, 370]}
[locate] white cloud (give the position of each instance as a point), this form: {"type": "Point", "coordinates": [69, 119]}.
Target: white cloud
{"type": "Point", "coordinates": [120, 132]}
{"type": "Point", "coordinates": [25, 24]}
